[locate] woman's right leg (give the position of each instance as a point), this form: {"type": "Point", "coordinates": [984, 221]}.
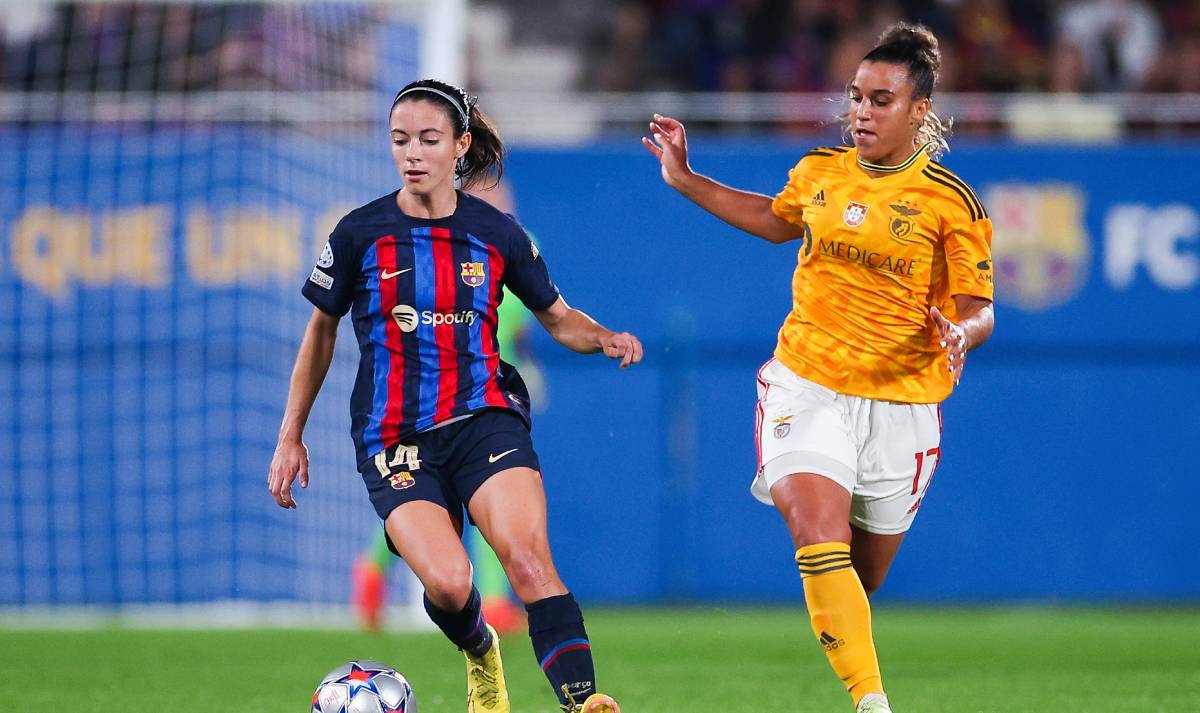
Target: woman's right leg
{"type": "Point", "coordinates": [809, 464]}
{"type": "Point", "coordinates": [817, 511]}
{"type": "Point", "coordinates": [430, 541]}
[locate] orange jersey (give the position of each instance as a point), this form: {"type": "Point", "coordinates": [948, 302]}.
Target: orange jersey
{"type": "Point", "coordinates": [877, 253]}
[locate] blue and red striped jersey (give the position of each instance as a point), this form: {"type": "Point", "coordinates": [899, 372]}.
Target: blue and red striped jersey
{"type": "Point", "coordinates": [423, 296]}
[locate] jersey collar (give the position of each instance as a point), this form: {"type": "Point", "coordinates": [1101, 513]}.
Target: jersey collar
{"type": "Point", "coordinates": [919, 159]}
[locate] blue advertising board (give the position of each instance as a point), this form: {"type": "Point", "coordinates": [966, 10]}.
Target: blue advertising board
{"type": "Point", "coordinates": [152, 280]}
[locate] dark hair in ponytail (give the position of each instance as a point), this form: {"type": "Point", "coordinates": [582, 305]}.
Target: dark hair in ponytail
{"type": "Point", "coordinates": [484, 160]}
{"type": "Point", "coordinates": [915, 47]}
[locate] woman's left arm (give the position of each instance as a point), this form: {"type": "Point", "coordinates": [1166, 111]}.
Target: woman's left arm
{"type": "Point", "coordinates": [580, 333]}
{"type": "Point", "coordinates": [976, 319]}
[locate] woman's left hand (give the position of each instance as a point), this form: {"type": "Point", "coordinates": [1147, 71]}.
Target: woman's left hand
{"type": "Point", "coordinates": [623, 346]}
{"type": "Point", "coordinates": [954, 340]}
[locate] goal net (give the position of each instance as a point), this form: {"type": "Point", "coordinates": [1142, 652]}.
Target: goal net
{"type": "Point", "coordinates": [168, 175]}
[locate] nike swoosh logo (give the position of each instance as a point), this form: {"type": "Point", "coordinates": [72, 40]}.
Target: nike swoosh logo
{"type": "Point", "coordinates": [385, 275]}
{"type": "Point", "coordinates": [493, 457]}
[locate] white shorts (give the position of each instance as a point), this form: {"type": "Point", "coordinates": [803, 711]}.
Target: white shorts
{"type": "Point", "coordinates": [883, 452]}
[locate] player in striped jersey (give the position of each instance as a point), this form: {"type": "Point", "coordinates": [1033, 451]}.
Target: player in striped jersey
{"type": "Point", "coordinates": [893, 286]}
{"type": "Point", "coordinates": [439, 421]}
{"type": "Point", "coordinates": [369, 574]}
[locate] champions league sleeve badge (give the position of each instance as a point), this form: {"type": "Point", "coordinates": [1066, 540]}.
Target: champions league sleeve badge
{"type": "Point", "coordinates": [326, 259]}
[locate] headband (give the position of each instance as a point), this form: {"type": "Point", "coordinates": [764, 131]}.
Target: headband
{"type": "Point", "coordinates": [462, 114]}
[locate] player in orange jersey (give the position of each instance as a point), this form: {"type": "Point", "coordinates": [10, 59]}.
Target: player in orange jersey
{"type": "Point", "coordinates": [893, 287]}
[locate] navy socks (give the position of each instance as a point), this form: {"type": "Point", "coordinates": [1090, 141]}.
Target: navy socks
{"type": "Point", "coordinates": [465, 629]}
{"type": "Point", "coordinates": [561, 646]}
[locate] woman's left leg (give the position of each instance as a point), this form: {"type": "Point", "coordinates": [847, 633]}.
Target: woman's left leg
{"type": "Point", "coordinates": [872, 556]}
{"type": "Point", "coordinates": [510, 510]}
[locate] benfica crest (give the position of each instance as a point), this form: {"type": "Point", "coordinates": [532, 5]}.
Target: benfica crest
{"type": "Point", "coordinates": [901, 224]}
{"type": "Point", "coordinates": [855, 214]}
{"type": "Point", "coordinates": [900, 227]}
{"type": "Point", "coordinates": [472, 274]}
{"type": "Point", "coordinates": [783, 426]}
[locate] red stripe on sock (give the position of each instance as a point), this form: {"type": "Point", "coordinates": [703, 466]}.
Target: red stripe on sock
{"type": "Point", "coordinates": [563, 650]}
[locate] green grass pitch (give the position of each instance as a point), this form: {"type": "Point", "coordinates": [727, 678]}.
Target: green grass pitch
{"type": "Point", "coordinates": [989, 660]}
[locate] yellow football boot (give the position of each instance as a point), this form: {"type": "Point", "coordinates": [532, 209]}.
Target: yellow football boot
{"type": "Point", "coordinates": [486, 690]}
{"type": "Point", "coordinates": [595, 703]}
{"type": "Point", "coordinates": [600, 703]}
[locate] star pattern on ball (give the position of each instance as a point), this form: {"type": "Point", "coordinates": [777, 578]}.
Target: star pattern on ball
{"type": "Point", "coordinates": [358, 679]}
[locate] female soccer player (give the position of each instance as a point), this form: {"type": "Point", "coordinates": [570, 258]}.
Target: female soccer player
{"type": "Point", "coordinates": [439, 421]}
{"type": "Point", "coordinates": [893, 287]}
{"type": "Point", "coordinates": [368, 592]}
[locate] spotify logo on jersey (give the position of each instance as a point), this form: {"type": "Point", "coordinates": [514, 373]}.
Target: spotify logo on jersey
{"type": "Point", "coordinates": [406, 317]}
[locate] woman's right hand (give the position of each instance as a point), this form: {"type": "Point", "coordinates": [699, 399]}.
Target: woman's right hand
{"type": "Point", "coordinates": [669, 146]}
{"type": "Point", "coordinates": [744, 210]}
{"type": "Point", "coordinates": [290, 459]}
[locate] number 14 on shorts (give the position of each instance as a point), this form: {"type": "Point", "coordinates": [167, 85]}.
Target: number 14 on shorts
{"type": "Point", "coordinates": [403, 457]}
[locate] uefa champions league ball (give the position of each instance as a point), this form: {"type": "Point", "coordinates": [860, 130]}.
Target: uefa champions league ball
{"type": "Point", "coordinates": [364, 687]}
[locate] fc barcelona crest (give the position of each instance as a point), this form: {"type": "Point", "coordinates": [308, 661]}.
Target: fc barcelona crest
{"type": "Point", "coordinates": [402, 480]}
{"type": "Point", "coordinates": [472, 274]}
{"type": "Point", "coordinates": [855, 214]}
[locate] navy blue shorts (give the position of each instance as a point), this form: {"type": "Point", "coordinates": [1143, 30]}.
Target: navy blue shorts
{"type": "Point", "coordinates": [448, 464]}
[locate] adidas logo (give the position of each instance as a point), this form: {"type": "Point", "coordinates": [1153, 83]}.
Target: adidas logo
{"type": "Point", "coordinates": [819, 198]}
{"type": "Point", "coordinates": [829, 643]}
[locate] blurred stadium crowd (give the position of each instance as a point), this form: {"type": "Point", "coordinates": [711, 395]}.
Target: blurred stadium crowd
{"type": "Point", "coordinates": [179, 47]}
{"type": "Point", "coordinates": [627, 45]}
{"type": "Point", "coordinates": [813, 45]}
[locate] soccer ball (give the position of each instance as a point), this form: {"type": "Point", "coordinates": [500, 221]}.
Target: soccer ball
{"type": "Point", "coordinates": [364, 687]}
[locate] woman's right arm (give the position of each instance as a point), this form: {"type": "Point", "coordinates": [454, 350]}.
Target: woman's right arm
{"type": "Point", "coordinates": [312, 362]}
{"type": "Point", "coordinates": [743, 210]}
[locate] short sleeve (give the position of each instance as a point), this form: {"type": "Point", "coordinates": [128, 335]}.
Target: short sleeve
{"type": "Point", "coordinates": [330, 286]}
{"type": "Point", "coordinates": [789, 203]}
{"type": "Point", "coordinates": [969, 258]}
{"type": "Point", "coordinates": [526, 274]}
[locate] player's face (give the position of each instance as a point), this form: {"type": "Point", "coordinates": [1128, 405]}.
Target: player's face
{"type": "Point", "coordinates": [424, 147]}
{"type": "Point", "coordinates": [883, 115]}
